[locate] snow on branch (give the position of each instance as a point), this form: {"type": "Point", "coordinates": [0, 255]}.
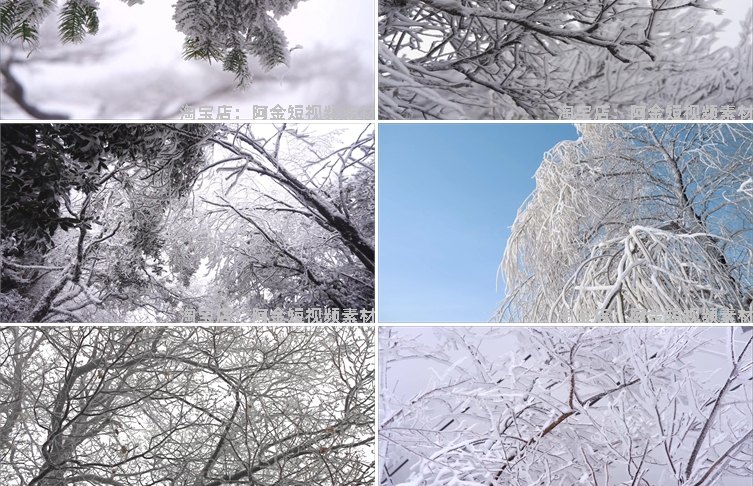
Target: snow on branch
{"type": "Point", "coordinates": [615, 406]}
{"type": "Point", "coordinates": [634, 217]}
{"type": "Point", "coordinates": [225, 31]}
{"type": "Point", "coordinates": [509, 59]}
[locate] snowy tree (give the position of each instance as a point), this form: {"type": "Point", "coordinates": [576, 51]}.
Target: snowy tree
{"type": "Point", "coordinates": [186, 406]}
{"type": "Point", "coordinates": [635, 219]}
{"type": "Point", "coordinates": [511, 59]}
{"type": "Point", "coordinates": [297, 216]}
{"type": "Point", "coordinates": [565, 406]}
{"type": "Point", "coordinates": [225, 31]}
{"type": "Point", "coordinates": [143, 222]}
{"type": "Point", "coordinates": [106, 188]}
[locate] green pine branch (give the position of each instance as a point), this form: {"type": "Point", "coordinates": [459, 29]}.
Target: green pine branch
{"type": "Point", "coordinates": [195, 48]}
{"type": "Point", "coordinates": [271, 46]}
{"type": "Point", "coordinates": [235, 62]}
{"type": "Point", "coordinates": [8, 14]}
{"type": "Point", "coordinates": [19, 19]}
{"type": "Point", "coordinates": [214, 31]}
{"type": "Point", "coordinates": [26, 32]}
{"type": "Point", "coordinates": [77, 20]}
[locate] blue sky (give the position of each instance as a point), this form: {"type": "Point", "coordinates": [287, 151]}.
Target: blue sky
{"type": "Point", "coordinates": [448, 194]}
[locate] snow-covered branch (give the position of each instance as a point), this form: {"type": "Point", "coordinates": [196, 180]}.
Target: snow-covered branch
{"type": "Point", "coordinates": [567, 406]}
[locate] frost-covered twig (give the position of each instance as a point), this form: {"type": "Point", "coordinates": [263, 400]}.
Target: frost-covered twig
{"type": "Point", "coordinates": [715, 410]}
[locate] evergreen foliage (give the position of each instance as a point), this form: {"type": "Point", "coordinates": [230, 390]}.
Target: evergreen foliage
{"type": "Point", "coordinates": [78, 18]}
{"type": "Point", "coordinates": [225, 31]}
{"type": "Point", "coordinates": [43, 163]}
{"type": "Point", "coordinates": [20, 19]}
{"type": "Point", "coordinates": [271, 45]}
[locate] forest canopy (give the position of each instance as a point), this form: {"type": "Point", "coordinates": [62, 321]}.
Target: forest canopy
{"type": "Point", "coordinates": [186, 406]}
{"type": "Point", "coordinates": [119, 223]}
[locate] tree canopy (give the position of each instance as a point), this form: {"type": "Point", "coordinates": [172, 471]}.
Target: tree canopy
{"type": "Point", "coordinates": [635, 218]}
{"type": "Point", "coordinates": [159, 219]}
{"type": "Point", "coordinates": [186, 406]}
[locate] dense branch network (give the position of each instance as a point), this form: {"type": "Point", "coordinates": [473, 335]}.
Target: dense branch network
{"type": "Point", "coordinates": [186, 406]}
{"type": "Point", "coordinates": [636, 218]}
{"type": "Point", "coordinates": [572, 405]}
{"type": "Point", "coordinates": [527, 58]}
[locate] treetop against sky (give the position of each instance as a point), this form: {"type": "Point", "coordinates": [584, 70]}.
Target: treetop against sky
{"type": "Point", "coordinates": [682, 187]}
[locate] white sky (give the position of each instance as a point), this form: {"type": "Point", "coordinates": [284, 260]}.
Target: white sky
{"type": "Point", "coordinates": [735, 11]}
